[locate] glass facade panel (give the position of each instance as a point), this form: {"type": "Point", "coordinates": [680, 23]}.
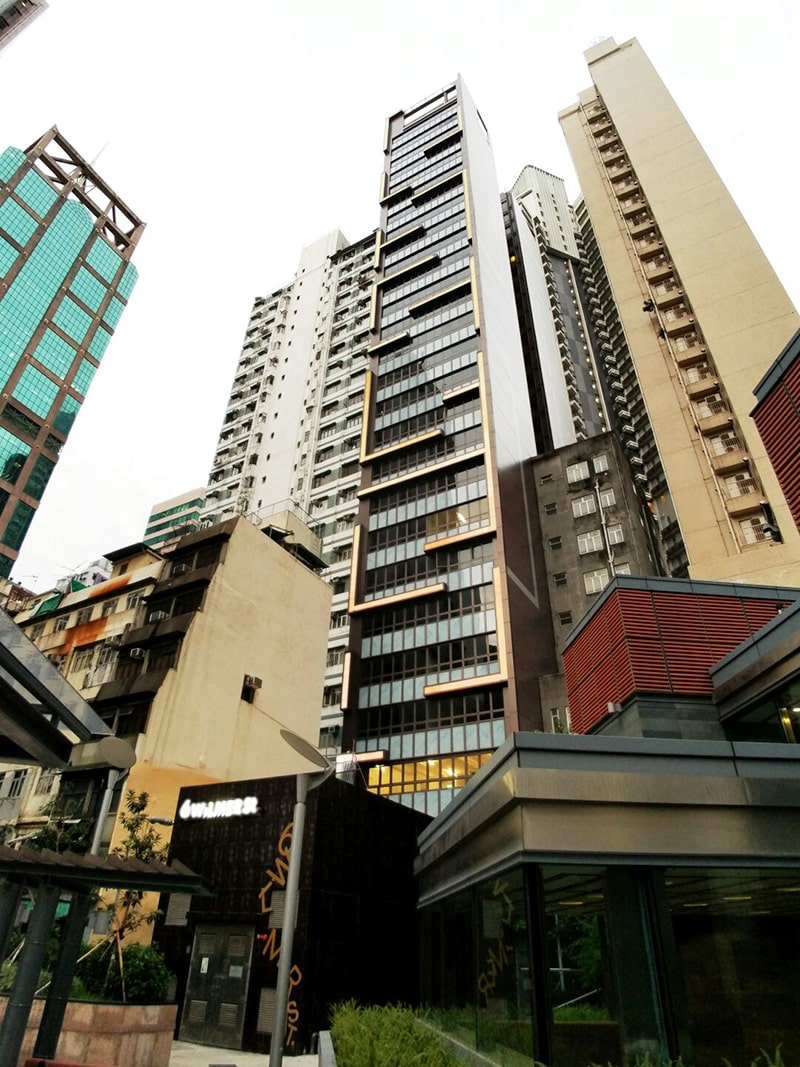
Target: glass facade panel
{"type": "Point", "coordinates": [39, 477]}
{"type": "Point", "coordinates": [83, 377]}
{"type": "Point", "coordinates": [99, 343]}
{"type": "Point", "coordinates": [16, 221]}
{"type": "Point", "coordinates": [128, 280]}
{"type": "Point", "coordinates": [37, 284]}
{"type": "Point", "coordinates": [72, 319]}
{"type": "Point", "coordinates": [88, 289]}
{"type": "Point", "coordinates": [18, 525]}
{"type": "Point", "coordinates": [36, 193]}
{"type": "Point", "coordinates": [113, 312]}
{"type": "Point", "coordinates": [13, 453]}
{"type": "Point", "coordinates": [35, 391]}
{"type": "Point", "coordinates": [10, 162]}
{"type": "Point", "coordinates": [104, 259]}
{"type": "Point", "coordinates": [66, 415]}
{"type": "Point", "coordinates": [55, 353]}
{"type": "Point", "coordinates": [8, 257]}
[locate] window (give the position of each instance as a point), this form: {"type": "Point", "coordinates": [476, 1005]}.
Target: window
{"type": "Point", "coordinates": [545, 478]}
{"type": "Point", "coordinates": [82, 658]}
{"type": "Point", "coordinates": [595, 581]}
{"type": "Point", "coordinates": [61, 624]}
{"type": "Point", "coordinates": [47, 779]}
{"type": "Point", "coordinates": [607, 498]}
{"type": "Point", "coordinates": [576, 472]}
{"type": "Point", "coordinates": [565, 618]}
{"type": "Point", "coordinates": [335, 656]}
{"type": "Point", "coordinates": [331, 696]}
{"type": "Point", "coordinates": [133, 599]}
{"type": "Point", "coordinates": [555, 542]}
{"type": "Point", "coordinates": [338, 619]}
{"type": "Point", "coordinates": [17, 783]}
{"type": "Point", "coordinates": [560, 578]}
{"type": "Point", "coordinates": [590, 542]}
{"type": "Point", "coordinates": [615, 534]}
{"type": "Point", "coordinates": [740, 484]}
{"type": "Point", "coordinates": [584, 505]}
{"type": "Point", "coordinates": [551, 509]}
{"type": "Point", "coordinates": [37, 630]}
{"type": "Point", "coordinates": [58, 660]}
{"type": "Point", "coordinates": [752, 531]}
{"type": "Point", "coordinates": [600, 463]}
{"type": "Point", "coordinates": [109, 608]}
{"type": "Point", "coordinates": [84, 615]}
{"type": "Point", "coordinates": [622, 568]}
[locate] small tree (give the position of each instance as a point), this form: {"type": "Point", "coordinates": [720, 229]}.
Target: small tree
{"type": "Point", "coordinates": [62, 832]}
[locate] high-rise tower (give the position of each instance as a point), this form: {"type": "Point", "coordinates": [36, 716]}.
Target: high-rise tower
{"type": "Point", "coordinates": [702, 311]}
{"type": "Point", "coordinates": [65, 277]}
{"type": "Point", "coordinates": [446, 590]}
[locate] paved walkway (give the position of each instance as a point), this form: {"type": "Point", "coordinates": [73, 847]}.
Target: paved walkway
{"type": "Point", "coordinates": [186, 1055]}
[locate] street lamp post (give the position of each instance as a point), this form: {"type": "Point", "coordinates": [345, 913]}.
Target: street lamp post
{"type": "Point", "coordinates": [305, 782]}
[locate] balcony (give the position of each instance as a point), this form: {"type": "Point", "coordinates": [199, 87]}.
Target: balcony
{"type": "Point", "coordinates": [657, 267]}
{"type": "Point", "coordinates": [631, 205]}
{"type": "Point", "coordinates": [746, 502]}
{"type": "Point", "coordinates": [691, 353]}
{"type": "Point", "coordinates": [729, 461]}
{"type": "Point", "coordinates": [702, 387]}
{"type": "Point", "coordinates": [670, 295]}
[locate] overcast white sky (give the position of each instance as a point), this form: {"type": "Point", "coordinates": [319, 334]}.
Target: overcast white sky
{"type": "Point", "coordinates": [241, 132]}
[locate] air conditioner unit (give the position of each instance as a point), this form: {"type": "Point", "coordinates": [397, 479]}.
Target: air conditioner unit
{"type": "Point", "coordinates": [181, 568]}
{"type": "Point", "coordinates": [252, 681]}
{"type": "Point", "coordinates": [137, 653]}
{"type": "Point", "coordinates": [114, 641]}
{"type": "Point", "coordinates": [157, 616]}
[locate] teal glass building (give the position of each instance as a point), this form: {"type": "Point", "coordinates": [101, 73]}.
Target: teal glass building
{"type": "Point", "coordinates": [66, 242]}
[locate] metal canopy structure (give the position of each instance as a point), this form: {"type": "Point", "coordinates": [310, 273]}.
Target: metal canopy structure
{"type": "Point", "coordinates": [49, 875]}
{"type": "Point", "coordinates": [41, 715]}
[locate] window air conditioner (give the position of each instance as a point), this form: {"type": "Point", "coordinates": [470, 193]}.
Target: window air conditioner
{"type": "Point", "coordinates": [137, 653]}
{"type": "Point", "coordinates": [157, 616]}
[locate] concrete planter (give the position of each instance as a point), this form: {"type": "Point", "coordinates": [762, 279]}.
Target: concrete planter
{"type": "Point", "coordinates": [125, 1035]}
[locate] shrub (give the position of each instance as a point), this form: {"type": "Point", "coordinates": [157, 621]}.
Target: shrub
{"type": "Point", "coordinates": [384, 1037]}
{"type": "Point", "coordinates": [147, 978]}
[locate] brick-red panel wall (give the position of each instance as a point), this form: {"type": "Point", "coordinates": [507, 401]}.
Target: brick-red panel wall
{"type": "Point", "coordinates": [778, 422]}
{"type": "Point", "coordinates": [654, 642]}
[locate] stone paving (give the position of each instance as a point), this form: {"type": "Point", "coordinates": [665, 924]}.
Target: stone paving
{"type": "Point", "coordinates": [187, 1055]}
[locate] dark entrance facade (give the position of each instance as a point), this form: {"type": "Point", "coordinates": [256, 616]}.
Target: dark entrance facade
{"type": "Point", "coordinates": [356, 930]}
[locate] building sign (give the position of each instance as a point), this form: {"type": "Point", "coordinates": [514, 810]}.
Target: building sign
{"type": "Point", "coordinates": [218, 809]}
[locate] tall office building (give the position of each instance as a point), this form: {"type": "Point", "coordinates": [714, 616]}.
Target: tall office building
{"type": "Point", "coordinates": [66, 241]}
{"type": "Point", "coordinates": [702, 311]}
{"type": "Point", "coordinates": [15, 15]}
{"type": "Point", "coordinates": [447, 597]}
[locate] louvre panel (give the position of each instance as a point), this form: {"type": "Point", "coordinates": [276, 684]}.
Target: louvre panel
{"type": "Point", "coordinates": [238, 945]}
{"type": "Point", "coordinates": [178, 909]}
{"type": "Point", "coordinates": [654, 642]}
{"type": "Point", "coordinates": [278, 904]}
{"type": "Point", "coordinates": [266, 1012]}
{"type": "Point", "coordinates": [206, 944]}
{"type": "Point", "coordinates": [648, 666]}
{"type": "Point", "coordinates": [228, 1014]}
{"type": "Point", "coordinates": [778, 422]}
{"type": "Point", "coordinates": [637, 612]}
{"type": "Point", "coordinates": [197, 1011]}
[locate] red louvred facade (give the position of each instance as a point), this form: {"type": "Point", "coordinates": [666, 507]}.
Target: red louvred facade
{"type": "Point", "coordinates": [777, 417]}
{"type": "Point", "coordinates": [655, 641]}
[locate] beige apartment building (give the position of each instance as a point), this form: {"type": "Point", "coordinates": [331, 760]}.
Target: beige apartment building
{"type": "Point", "coordinates": [198, 658]}
{"type": "Point", "coordinates": [703, 313]}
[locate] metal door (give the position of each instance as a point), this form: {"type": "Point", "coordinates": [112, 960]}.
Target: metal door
{"type": "Point", "coordinates": [216, 990]}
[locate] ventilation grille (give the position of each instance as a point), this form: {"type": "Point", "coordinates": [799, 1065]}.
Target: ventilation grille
{"type": "Point", "coordinates": [197, 1011]}
{"type": "Point", "coordinates": [228, 1014]}
{"type": "Point", "coordinates": [206, 944]}
{"type": "Point", "coordinates": [266, 1012]}
{"type": "Point", "coordinates": [238, 945]}
{"type": "Point", "coordinates": [178, 909]}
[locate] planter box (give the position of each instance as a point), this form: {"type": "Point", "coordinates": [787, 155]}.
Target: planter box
{"type": "Point", "coordinates": [122, 1035]}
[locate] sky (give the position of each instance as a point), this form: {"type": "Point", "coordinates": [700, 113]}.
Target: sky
{"type": "Point", "coordinates": [241, 132]}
